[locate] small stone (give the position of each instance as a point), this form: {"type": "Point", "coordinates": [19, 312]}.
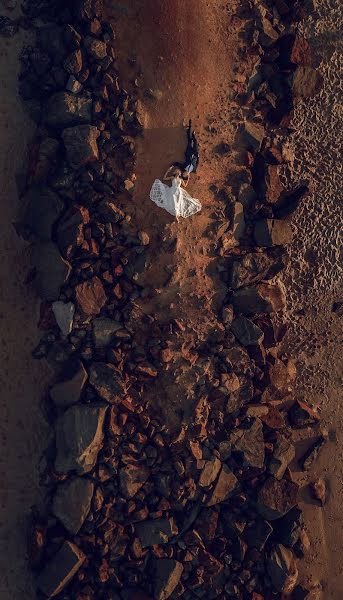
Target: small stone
{"type": "Point", "coordinates": [167, 574]}
{"type": "Point", "coordinates": [71, 503]}
{"type": "Point", "coordinates": [64, 110]}
{"type": "Point", "coordinates": [107, 382]}
{"type": "Point", "coordinates": [155, 532]}
{"type": "Point", "coordinates": [249, 445]}
{"type": "Point", "coordinates": [301, 415]}
{"type": "Point", "coordinates": [52, 271]}
{"type": "Point", "coordinates": [96, 49]}
{"type": "Point", "coordinates": [81, 145]}
{"type": "Point", "coordinates": [107, 211]}
{"type": "Point", "coordinates": [237, 225]}
{"type": "Point", "coordinates": [276, 498]}
{"type": "Point", "coordinates": [272, 232]}
{"type": "Point", "coordinates": [264, 298]}
{"type": "Point", "coordinates": [60, 570]}
{"type": "Point", "coordinates": [307, 82]}
{"type": "Point", "coordinates": [269, 35]}
{"type": "Point", "coordinates": [73, 85]}
{"type": "Point", "coordinates": [79, 437]}
{"type": "Point", "coordinates": [282, 569]}
{"type": "Point", "coordinates": [64, 315]}
{"type": "Point", "coordinates": [209, 472]}
{"type": "Point", "coordinates": [90, 297]}
{"type": "Point", "coordinates": [132, 478]}
{"type": "Point", "coordinates": [206, 524]}
{"type": "Point", "coordinates": [312, 454]}
{"type": "Point", "coordinates": [68, 392]}
{"type": "Point", "coordinates": [318, 490]}
{"type": "Point", "coordinates": [284, 453]}
{"type": "Point", "coordinates": [247, 332]}
{"type": "Point", "coordinates": [224, 487]}
{"type": "Point", "coordinates": [104, 331]}
{"type": "Point", "coordinates": [144, 238]}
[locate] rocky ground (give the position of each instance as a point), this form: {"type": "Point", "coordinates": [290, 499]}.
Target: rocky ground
{"type": "Point", "coordinates": [170, 471]}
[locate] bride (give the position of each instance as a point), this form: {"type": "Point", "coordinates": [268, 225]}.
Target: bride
{"type": "Point", "coordinates": [174, 199]}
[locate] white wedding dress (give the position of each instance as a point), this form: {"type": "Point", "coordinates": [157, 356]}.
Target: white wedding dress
{"type": "Point", "coordinates": [174, 199]}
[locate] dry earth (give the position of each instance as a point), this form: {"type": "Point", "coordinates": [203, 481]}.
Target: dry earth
{"type": "Point", "coordinates": [186, 51]}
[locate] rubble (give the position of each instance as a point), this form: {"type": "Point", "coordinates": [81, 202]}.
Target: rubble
{"type": "Point", "coordinates": [71, 503]}
{"type": "Point", "coordinates": [60, 570]}
{"type": "Point", "coordinates": [264, 298]}
{"type": "Point", "coordinates": [167, 574]}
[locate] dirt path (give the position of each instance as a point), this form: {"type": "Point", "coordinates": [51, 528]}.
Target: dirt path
{"type": "Point", "coordinates": [22, 379]}
{"type": "Point", "coordinates": [185, 53]}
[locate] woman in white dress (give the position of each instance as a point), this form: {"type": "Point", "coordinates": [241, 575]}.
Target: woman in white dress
{"type": "Point", "coordinates": [174, 199]}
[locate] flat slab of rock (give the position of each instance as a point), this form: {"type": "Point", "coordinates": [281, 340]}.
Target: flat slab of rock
{"type": "Point", "coordinates": [68, 392]}
{"type": "Point", "coordinates": [52, 271]}
{"type": "Point", "coordinates": [247, 332]}
{"type": "Point", "coordinates": [210, 472]}
{"type": "Point", "coordinates": [107, 382]}
{"type": "Point", "coordinates": [64, 315]}
{"type": "Point", "coordinates": [249, 445]}
{"type": "Point", "coordinates": [60, 570]}
{"type": "Point", "coordinates": [224, 487]}
{"type": "Point", "coordinates": [307, 82]}
{"type": "Point", "coordinates": [272, 232]}
{"type": "Point", "coordinates": [166, 577]}
{"type": "Point", "coordinates": [90, 296]}
{"type": "Point", "coordinates": [79, 437]}
{"type": "Point", "coordinates": [72, 501]}
{"type": "Point", "coordinates": [104, 331]}
{"type": "Point", "coordinates": [276, 498]}
{"type": "Point", "coordinates": [43, 209]}
{"type": "Point", "coordinates": [284, 453]}
{"type": "Point", "coordinates": [64, 109]}
{"type": "Point", "coordinates": [253, 135]}
{"type": "Point", "coordinates": [156, 531]}
{"type": "Point", "coordinates": [256, 266]}
{"type": "Point", "coordinates": [132, 478]}
{"type": "Point", "coordinates": [264, 298]}
{"type": "Point", "coordinates": [81, 145]}
{"type": "Point", "coordinates": [282, 569]}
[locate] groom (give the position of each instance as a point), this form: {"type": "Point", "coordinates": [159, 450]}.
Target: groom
{"type": "Point", "coordinates": [191, 161]}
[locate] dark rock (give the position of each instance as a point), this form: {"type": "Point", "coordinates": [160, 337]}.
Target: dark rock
{"type": "Point", "coordinates": [272, 232]}
{"type": "Point", "coordinates": [238, 360]}
{"type": "Point", "coordinates": [73, 62]}
{"type": "Point", "coordinates": [264, 298]}
{"type": "Point", "coordinates": [107, 382]}
{"type": "Point", "coordinates": [301, 593]}
{"type": "Point", "coordinates": [79, 437]}
{"type": "Point", "coordinates": [132, 478]}
{"type": "Point", "coordinates": [307, 82]}
{"type": "Point", "coordinates": [273, 185]}
{"type": "Point", "coordinates": [70, 230]}
{"type": "Point", "coordinates": [206, 524]}
{"type": "Point", "coordinates": [108, 212]}
{"type": "Point", "coordinates": [90, 296]}
{"type": "Point", "coordinates": [249, 445]}
{"type": "Point", "coordinates": [284, 453]}
{"type": "Point", "coordinates": [81, 145]}
{"type": "Point", "coordinates": [268, 35]}
{"type": "Point", "coordinates": [43, 209]}
{"type": "Point", "coordinates": [282, 569]}
{"type": "Point", "coordinates": [72, 37]}
{"type": "Point", "coordinates": [155, 532]}
{"type": "Point", "coordinates": [96, 49]}
{"type": "Point", "coordinates": [68, 392]}
{"type": "Point", "coordinates": [86, 10]}
{"type": "Point", "coordinates": [64, 110]}
{"type": "Point", "coordinates": [60, 570]}
{"type": "Point", "coordinates": [73, 85]}
{"type": "Point", "coordinates": [224, 487]}
{"type": "Point", "coordinates": [8, 27]}
{"type": "Point", "coordinates": [276, 498]}
{"type": "Point", "coordinates": [312, 453]}
{"type": "Point", "coordinates": [104, 331]}
{"type": "Point", "coordinates": [302, 415]}
{"type": "Point", "coordinates": [71, 503]}
{"type": "Point", "coordinates": [253, 135]}
{"type": "Point", "coordinates": [256, 534]}
{"type": "Point", "coordinates": [209, 472]}
{"type": "Point", "coordinates": [247, 332]}
{"type": "Point", "coordinates": [246, 195]}
{"type": "Point", "coordinates": [254, 267]}
{"type": "Point", "coordinates": [167, 574]}
{"type": "Point", "coordinates": [52, 271]}
{"type": "Point", "coordinates": [288, 528]}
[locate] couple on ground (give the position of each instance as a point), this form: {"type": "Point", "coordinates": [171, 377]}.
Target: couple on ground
{"type": "Point", "coordinates": [175, 199]}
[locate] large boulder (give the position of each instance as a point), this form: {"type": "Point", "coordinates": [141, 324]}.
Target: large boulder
{"type": "Point", "coordinates": [248, 444]}
{"type": "Point", "coordinates": [263, 298]}
{"type": "Point", "coordinates": [282, 569]}
{"type": "Point", "coordinates": [156, 531]}
{"type": "Point", "coordinates": [107, 382]}
{"type": "Point", "coordinates": [79, 437]}
{"type": "Point", "coordinates": [307, 82]}
{"type": "Point", "coordinates": [70, 230]}
{"type": "Point", "coordinates": [72, 501]}
{"type": "Point", "coordinates": [167, 574]}
{"type": "Point", "coordinates": [272, 232]}
{"type": "Point", "coordinates": [44, 207]}
{"type": "Point", "coordinates": [223, 488]}
{"type": "Point", "coordinates": [104, 331]}
{"type": "Point", "coordinates": [64, 110]}
{"type": "Point", "coordinates": [255, 266]}
{"type": "Point", "coordinates": [284, 453]}
{"type": "Point", "coordinates": [52, 271]}
{"type": "Point", "coordinates": [81, 145]}
{"type": "Point", "coordinates": [276, 498]}
{"type": "Point", "coordinates": [60, 569]}
{"type": "Point", "coordinates": [90, 297]}
{"type": "Point", "coordinates": [247, 332]}
{"type": "Point", "coordinates": [68, 392]}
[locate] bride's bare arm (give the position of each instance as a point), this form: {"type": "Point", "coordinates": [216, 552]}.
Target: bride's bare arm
{"type": "Point", "coordinates": [167, 176]}
{"type": "Point", "coordinates": [185, 182]}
